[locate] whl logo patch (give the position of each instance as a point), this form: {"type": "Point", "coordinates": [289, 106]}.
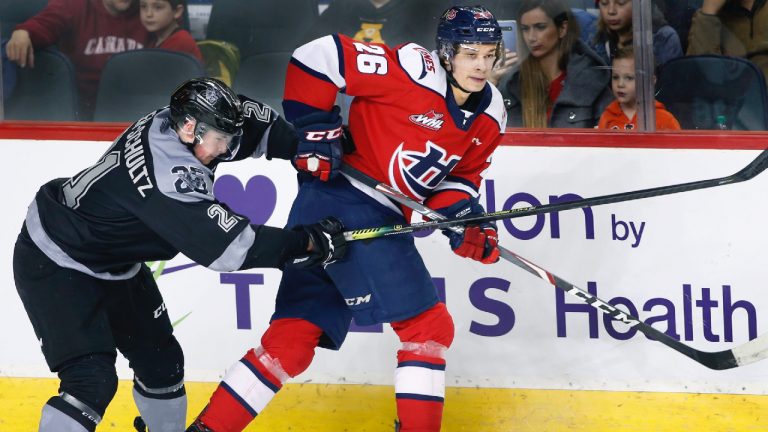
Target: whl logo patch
{"type": "Point", "coordinates": [430, 120]}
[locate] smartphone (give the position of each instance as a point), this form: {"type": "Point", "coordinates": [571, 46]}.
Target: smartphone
{"type": "Point", "coordinates": [509, 34]}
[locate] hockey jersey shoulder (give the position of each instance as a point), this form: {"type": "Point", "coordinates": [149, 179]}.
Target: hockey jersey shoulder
{"type": "Point", "coordinates": [423, 67]}
{"type": "Point", "coordinates": [496, 109]}
{"type": "Point", "coordinates": [178, 174]}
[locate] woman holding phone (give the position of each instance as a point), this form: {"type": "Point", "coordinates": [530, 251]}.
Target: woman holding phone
{"type": "Point", "coordinates": [561, 82]}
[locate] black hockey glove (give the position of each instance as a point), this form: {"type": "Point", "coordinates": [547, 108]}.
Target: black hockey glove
{"type": "Point", "coordinates": [328, 244]}
{"type": "Point", "coordinates": [320, 144]}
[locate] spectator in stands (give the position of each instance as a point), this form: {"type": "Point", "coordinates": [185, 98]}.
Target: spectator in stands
{"type": "Point", "coordinates": [736, 28]}
{"type": "Point", "coordinates": [621, 114]}
{"type": "Point", "coordinates": [9, 74]}
{"type": "Point", "coordinates": [614, 31]}
{"type": "Point", "coordinates": [508, 9]}
{"type": "Point", "coordinates": [87, 31]}
{"type": "Point", "coordinates": [560, 82]}
{"type": "Point", "coordinates": [391, 22]}
{"type": "Point", "coordinates": [504, 9]}
{"type": "Point", "coordinates": [161, 18]}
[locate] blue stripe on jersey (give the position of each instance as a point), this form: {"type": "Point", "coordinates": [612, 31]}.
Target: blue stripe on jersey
{"type": "Point", "coordinates": [420, 397]}
{"type": "Point", "coordinates": [293, 109]}
{"type": "Point", "coordinates": [237, 397]}
{"type": "Point", "coordinates": [460, 180]}
{"type": "Point", "coordinates": [341, 55]}
{"type": "Point", "coordinates": [311, 71]}
{"type": "Point", "coordinates": [458, 115]}
{"type": "Point", "coordinates": [261, 377]}
{"type": "Point", "coordinates": [425, 365]}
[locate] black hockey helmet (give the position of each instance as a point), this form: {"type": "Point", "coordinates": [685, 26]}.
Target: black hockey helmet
{"type": "Point", "coordinates": [213, 105]}
{"type": "Point", "coordinates": [210, 101]}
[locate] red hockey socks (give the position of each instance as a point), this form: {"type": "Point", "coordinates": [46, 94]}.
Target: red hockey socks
{"type": "Point", "coordinates": [419, 391]}
{"type": "Point", "coordinates": [246, 389]}
{"type": "Point", "coordinates": [420, 373]}
{"type": "Point", "coordinates": [248, 386]}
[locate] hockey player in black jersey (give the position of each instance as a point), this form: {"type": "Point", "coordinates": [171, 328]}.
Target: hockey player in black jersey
{"type": "Point", "coordinates": [78, 261]}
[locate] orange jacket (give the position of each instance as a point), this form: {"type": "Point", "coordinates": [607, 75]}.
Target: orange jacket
{"type": "Point", "coordinates": [614, 118]}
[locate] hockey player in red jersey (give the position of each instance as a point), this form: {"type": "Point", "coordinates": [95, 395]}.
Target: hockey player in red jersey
{"type": "Point", "coordinates": [425, 123]}
{"type": "Point", "coordinates": [78, 261]}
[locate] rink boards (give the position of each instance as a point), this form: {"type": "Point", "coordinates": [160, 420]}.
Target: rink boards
{"type": "Point", "coordinates": [691, 262]}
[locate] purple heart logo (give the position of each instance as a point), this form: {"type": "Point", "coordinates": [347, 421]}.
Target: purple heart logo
{"type": "Point", "coordinates": [256, 201]}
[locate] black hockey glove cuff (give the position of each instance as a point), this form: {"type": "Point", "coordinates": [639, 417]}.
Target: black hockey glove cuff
{"type": "Point", "coordinates": [328, 244]}
{"type": "Point", "coordinates": [273, 247]}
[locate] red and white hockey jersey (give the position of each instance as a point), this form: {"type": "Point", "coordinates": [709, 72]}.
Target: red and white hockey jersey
{"type": "Point", "coordinates": [407, 127]}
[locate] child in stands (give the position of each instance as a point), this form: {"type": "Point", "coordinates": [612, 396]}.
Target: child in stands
{"type": "Point", "coordinates": [622, 113]}
{"type": "Point", "coordinates": [161, 18]}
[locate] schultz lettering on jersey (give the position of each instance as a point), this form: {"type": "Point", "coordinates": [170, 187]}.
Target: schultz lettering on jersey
{"type": "Point", "coordinates": [134, 157]}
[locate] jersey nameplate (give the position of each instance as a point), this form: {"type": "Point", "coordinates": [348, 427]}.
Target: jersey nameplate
{"type": "Point", "coordinates": [134, 157]}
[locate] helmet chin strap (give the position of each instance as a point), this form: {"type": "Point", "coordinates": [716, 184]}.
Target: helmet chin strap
{"type": "Point", "coordinates": [452, 81]}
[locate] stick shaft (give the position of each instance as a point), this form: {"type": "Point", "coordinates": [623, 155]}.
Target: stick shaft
{"type": "Point", "coordinates": [749, 352]}
{"type": "Point", "coordinates": [755, 167]}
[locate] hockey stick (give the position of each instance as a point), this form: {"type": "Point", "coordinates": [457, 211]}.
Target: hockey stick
{"type": "Point", "coordinates": [758, 165]}
{"type": "Point", "coordinates": [744, 354]}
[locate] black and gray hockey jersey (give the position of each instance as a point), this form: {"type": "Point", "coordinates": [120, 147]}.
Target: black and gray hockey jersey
{"type": "Point", "coordinates": [149, 198]}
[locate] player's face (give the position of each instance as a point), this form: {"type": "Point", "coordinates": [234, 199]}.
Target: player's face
{"type": "Point", "coordinates": [616, 14]}
{"type": "Point", "coordinates": [541, 35]}
{"type": "Point", "coordinates": [213, 143]}
{"type": "Point", "coordinates": [157, 15]}
{"type": "Point", "coordinates": [623, 82]}
{"type": "Point", "coordinates": [472, 64]}
{"type": "Point", "coordinates": [116, 7]}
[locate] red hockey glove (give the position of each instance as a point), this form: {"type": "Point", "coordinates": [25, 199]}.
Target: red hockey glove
{"type": "Point", "coordinates": [320, 149]}
{"type": "Point", "coordinates": [479, 242]}
{"type": "Point", "coordinates": [328, 244]}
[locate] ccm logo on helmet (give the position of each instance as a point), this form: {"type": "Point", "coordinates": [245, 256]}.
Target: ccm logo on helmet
{"type": "Point", "coordinates": [323, 135]}
{"type": "Point", "coordinates": [486, 29]}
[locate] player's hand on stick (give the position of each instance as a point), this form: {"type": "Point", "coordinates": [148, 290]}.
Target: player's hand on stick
{"type": "Point", "coordinates": [320, 148]}
{"type": "Point", "coordinates": [479, 242]}
{"type": "Point", "coordinates": [326, 244]}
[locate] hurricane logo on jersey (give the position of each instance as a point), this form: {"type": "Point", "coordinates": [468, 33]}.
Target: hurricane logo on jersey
{"type": "Point", "coordinates": [418, 173]}
{"type": "Point", "coordinates": [430, 120]}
